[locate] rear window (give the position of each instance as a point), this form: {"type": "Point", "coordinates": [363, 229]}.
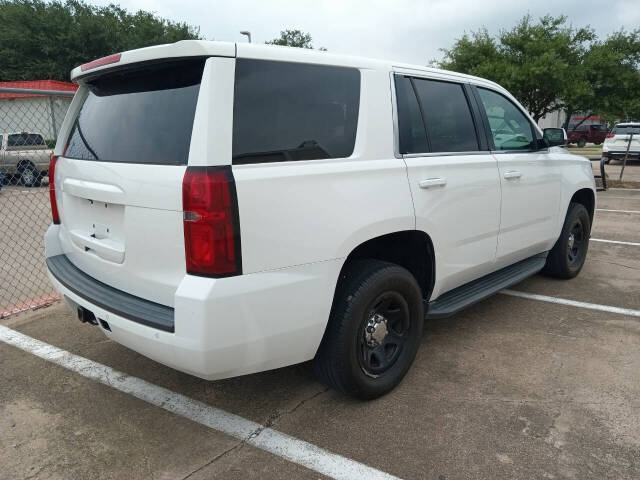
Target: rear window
{"type": "Point", "coordinates": [626, 129]}
{"type": "Point", "coordinates": [292, 111]}
{"type": "Point", "coordinates": [24, 140]}
{"type": "Point", "coordinates": [142, 115]}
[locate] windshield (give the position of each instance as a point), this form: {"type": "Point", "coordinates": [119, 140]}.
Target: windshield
{"type": "Point", "coordinates": [139, 116]}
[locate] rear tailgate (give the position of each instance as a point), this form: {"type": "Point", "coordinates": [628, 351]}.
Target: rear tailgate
{"type": "Point", "coordinates": [119, 180]}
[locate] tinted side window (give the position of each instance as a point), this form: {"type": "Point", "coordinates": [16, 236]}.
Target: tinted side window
{"type": "Point", "coordinates": [14, 140]}
{"type": "Point", "coordinates": [510, 128]}
{"type": "Point", "coordinates": [446, 112]}
{"type": "Point", "coordinates": [292, 111]}
{"type": "Point", "coordinates": [411, 132]}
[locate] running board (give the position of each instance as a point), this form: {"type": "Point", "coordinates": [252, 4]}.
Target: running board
{"type": "Point", "coordinates": [472, 292]}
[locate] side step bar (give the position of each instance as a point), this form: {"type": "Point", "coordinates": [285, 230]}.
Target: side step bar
{"type": "Point", "coordinates": [472, 292]}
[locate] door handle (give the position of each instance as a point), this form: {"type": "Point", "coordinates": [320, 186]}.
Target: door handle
{"type": "Point", "coordinates": [433, 182]}
{"type": "Point", "coordinates": [512, 174]}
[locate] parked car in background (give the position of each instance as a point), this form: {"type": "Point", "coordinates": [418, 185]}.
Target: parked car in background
{"type": "Point", "coordinates": [584, 134]}
{"type": "Point", "coordinates": [305, 206]}
{"type": "Point", "coordinates": [25, 157]}
{"type": "Point", "coordinates": [617, 141]}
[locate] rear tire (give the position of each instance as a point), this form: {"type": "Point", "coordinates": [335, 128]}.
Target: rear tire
{"type": "Point", "coordinates": [567, 256]}
{"type": "Point", "coordinates": [374, 330]}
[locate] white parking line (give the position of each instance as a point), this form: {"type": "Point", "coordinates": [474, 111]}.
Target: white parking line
{"type": "Point", "coordinates": [618, 242]}
{"type": "Point", "coordinates": [572, 303]}
{"type": "Point", "coordinates": [272, 441]}
{"type": "Point", "coordinates": [616, 211]}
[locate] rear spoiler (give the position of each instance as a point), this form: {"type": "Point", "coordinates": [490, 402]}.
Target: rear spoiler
{"type": "Point", "coordinates": [181, 49]}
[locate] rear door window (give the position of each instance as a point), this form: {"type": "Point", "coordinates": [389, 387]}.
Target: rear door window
{"type": "Point", "coordinates": [292, 111]}
{"type": "Point", "coordinates": [447, 115]}
{"type": "Point", "coordinates": [141, 115]}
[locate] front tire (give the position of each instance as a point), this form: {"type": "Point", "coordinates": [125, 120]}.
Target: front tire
{"type": "Point", "coordinates": [374, 330]}
{"type": "Point", "coordinates": [568, 255]}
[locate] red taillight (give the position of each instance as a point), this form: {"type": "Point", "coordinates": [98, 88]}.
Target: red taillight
{"type": "Point", "coordinates": [52, 190]}
{"type": "Point", "coordinates": [610, 135]}
{"type": "Point", "coordinates": [211, 225]}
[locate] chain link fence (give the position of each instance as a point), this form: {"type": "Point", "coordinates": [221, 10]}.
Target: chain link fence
{"type": "Point", "coordinates": [29, 124]}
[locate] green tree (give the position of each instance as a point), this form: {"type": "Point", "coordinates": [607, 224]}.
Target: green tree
{"type": "Point", "coordinates": [536, 61]}
{"type": "Point", "coordinates": [41, 39]}
{"type": "Point", "coordinates": [293, 38]}
{"type": "Point", "coordinates": [611, 79]}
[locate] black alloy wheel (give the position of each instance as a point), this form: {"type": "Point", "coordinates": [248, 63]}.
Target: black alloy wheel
{"type": "Point", "coordinates": [384, 333]}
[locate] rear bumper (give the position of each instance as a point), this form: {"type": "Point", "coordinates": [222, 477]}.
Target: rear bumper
{"type": "Point", "coordinates": [101, 295]}
{"type": "Point", "coordinates": [621, 154]}
{"type": "Point", "coordinates": [224, 327]}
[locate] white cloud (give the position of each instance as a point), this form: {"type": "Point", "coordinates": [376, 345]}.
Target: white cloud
{"type": "Point", "coordinates": [404, 30]}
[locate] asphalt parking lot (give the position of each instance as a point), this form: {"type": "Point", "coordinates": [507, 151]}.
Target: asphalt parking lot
{"type": "Point", "coordinates": [514, 387]}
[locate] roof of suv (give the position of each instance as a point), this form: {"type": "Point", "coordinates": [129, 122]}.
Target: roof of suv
{"type": "Point", "coordinates": [188, 48]}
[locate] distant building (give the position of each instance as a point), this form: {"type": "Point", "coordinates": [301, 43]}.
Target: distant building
{"type": "Point", "coordinates": [27, 112]}
{"type": "Point", "coordinates": [557, 119]}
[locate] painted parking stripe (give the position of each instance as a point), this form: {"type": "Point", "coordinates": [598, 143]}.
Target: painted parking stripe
{"type": "Point", "coordinates": [618, 242]}
{"type": "Point", "coordinates": [572, 303]}
{"type": "Point", "coordinates": [272, 441]}
{"type": "Point", "coordinates": [616, 211]}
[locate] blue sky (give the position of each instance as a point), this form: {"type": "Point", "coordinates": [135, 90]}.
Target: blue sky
{"type": "Point", "coordinates": [403, 30]}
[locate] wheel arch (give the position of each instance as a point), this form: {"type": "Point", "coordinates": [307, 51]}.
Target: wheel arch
{"type": "Point", "coordinates": [586, 197]}
{"type": "Point", "coordinates": [411, 249]}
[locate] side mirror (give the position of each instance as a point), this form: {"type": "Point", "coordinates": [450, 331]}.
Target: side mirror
{"type": "Point", "coordinates": [555, 136]}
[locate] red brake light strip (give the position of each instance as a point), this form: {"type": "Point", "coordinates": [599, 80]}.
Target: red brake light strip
{"type": "Point", "coordinates": [115, 58]}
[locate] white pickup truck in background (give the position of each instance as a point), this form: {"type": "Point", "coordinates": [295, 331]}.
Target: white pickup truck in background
{"type": "Point", "coordinates": [25, 157]}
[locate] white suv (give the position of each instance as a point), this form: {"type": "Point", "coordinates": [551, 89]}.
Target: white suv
{"type": "Point", "coordinates": [226, 209]}
{"type": "Point", "coordinates": [623, 137]}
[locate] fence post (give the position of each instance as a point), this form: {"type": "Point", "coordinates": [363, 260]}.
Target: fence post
{"type": "Point", "coordinates": [626, 155]}
{"type": "Point", "coordinates": [53, 118]}
{"type": "Point", "coordinates": [602, 173]}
